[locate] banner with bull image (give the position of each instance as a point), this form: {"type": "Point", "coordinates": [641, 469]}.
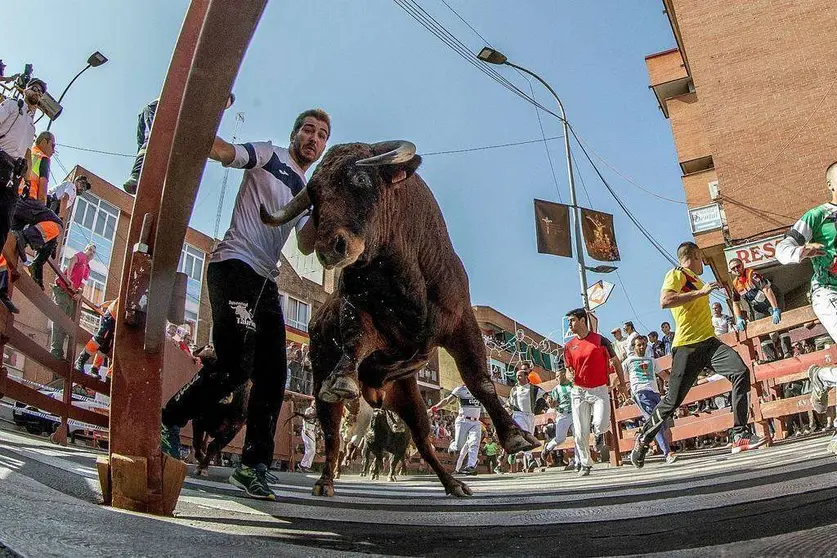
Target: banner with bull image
{"type": "Point", "coordinates": [599, 235]}
{"type": "Point", "coordinates": [552, 226]}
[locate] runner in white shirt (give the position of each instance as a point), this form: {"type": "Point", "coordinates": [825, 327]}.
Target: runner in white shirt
{"type": "Point", "coordinates": [248, 329]}
{"type": "Point", "coordinates": [467, 426]}
{"type": "Point", "coordinates": [522, 400]}
{"type": "Point", "coordinates": [309, 437]}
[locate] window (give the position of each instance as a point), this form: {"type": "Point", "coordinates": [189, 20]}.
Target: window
{"type": "Point", "coordinates": [94, 220]}
{"type": "Point", "coordinates": [297, 313]}
{"type": "Point", "coordinates": [191, 263]}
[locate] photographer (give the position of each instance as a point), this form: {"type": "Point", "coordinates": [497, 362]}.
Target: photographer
{"type": "Point", "coordinates": [17, 131]}
{"type": "Point", "coordinates": [42, 225]}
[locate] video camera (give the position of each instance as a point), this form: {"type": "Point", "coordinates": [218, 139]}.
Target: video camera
{"type": "Point", "coordinates": [48, 105]}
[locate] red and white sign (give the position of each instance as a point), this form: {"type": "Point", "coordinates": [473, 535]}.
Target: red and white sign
{"type": "Point", "coordinates": [755, 254]}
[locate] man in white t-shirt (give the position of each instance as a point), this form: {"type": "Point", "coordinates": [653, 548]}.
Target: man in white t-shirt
{"type": "Point", "coordinates": [720, 321]}
{"type": "Point", "coordinates": [248, 329]}
{"type": "Point", "coordinates": [467, 426]}
{"type": "Point", "coordinates": [523, 399]}
{"type": "Point", "coordinates": [69, 190]}
{"type": "Point", "coordinates": [309, 437]}
{"type": "Point", "coordinates": [642, 374]}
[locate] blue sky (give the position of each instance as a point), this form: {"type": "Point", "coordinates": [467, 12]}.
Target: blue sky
{"type": "Point", "coordinates": [382, 76]}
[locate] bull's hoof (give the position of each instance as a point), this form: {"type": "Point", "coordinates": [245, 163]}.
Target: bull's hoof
{"type": "Point", "coordinates": [457, 488]}
{"type": "Point", "coordinates": [519, 440]}
{"type": "Point", "coordinates": [323, 488]}
{"type": "Point", "coordinates": [338, 388]}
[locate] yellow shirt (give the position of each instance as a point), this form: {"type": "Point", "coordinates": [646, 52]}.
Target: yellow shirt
{"type": "Point", "coordinates": [693, 320]}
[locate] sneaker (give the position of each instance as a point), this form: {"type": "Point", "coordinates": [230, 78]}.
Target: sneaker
{"type": "Point", "coordinates": [585, 471]}
{"type": "Point", "coordinates": [819, 391]}
{"type": "Point", "coordinates": [253, 481]}
{"type": "Point", "coordinates": [746, 442]}
{"type": "Point", "coordinates": [638, 453]}
{"type": "Point", "coordinates": [671, 458]}
{"type": "Point", "coordinates": [301, 469]}
{"type": "Point", "coordinates": [469, 471]}
{"type": "Point", "coordinates": [832, 445]}
{"type": "Point", "coordinates": [130, 185]}
{"type": "Point", "coordinates": [170, 440]}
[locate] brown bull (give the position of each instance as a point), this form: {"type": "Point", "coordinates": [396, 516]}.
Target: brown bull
{"type": "Point", "coordinates": [402, 293]}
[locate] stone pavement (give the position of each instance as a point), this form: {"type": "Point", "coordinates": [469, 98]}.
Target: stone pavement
{"type": "Point", "coordinates": [777, 501]}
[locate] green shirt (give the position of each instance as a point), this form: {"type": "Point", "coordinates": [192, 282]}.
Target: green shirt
{"type": "Point", "coordinates": [817, 225]}
{"type": "Point", "coordinates": [561, 395]}
{"type": "Point", "coordinates": [490, 448]}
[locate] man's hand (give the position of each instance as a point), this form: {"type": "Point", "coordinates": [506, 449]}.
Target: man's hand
{"type": "Point", "coordinates": [777, 315]}
{"type": "Point", "coordinates": [709, 287]}
{"type": "Point", "coordinates": [811, 250]}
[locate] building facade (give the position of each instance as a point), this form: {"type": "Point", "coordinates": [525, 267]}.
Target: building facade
{"type": "Point", "coordinates": [748, 93]}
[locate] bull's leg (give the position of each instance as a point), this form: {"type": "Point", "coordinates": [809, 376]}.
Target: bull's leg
{"type": "Point", "coordinates": [393, 463]}
{"type": "Point", "coordinates": [468, 350]}
{"type": "Point", "coordinates": [404, 397]}
{"type": "Point", "coordinates": [329, 415]}
{"type": "Point", "coordinates": [359, 340]}
{"type": "Point", "coordinates": [377, 466]}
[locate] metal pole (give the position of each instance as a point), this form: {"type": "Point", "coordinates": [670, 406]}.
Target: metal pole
{"type": "Point", "coordinates": [579, 252]}
{"type": "Point", "coordinates": [61, 98]}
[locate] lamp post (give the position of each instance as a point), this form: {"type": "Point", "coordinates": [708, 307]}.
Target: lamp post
{"type": "Point", "coordinates": [493, 56]}
{"type": "Point", "coordinates": [93, 61]}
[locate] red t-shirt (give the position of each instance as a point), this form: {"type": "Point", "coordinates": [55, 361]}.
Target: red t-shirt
{"type": "Point", "coordinates": [589, 358]}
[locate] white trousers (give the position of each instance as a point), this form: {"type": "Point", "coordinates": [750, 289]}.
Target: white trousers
{"type": "Point", "coordinates": [466, 440]}
{"type": "Point", "coordinates": [824, 303]}
{"type": "Point", "coordinates": [591, 413]}
{"type": "Point", "coordinates": [525, 421]}
{"type": "Point", "coordinates": [310, 442]}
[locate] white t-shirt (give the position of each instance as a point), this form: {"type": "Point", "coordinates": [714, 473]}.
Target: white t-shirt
{"type": "Point", "coordinates": [17, 126]}
{"type": "Point", "coordinates": [520, 397]}
{"type": "Point", "coordinates": [469, 406]}
{"type": "Point", "coordinates": [642, 373]}
{"type": "Point", "coordinates": [309, 421]}
{"type": "Point", "coordinates": [721, 324]}
{"type": "Point", "coordinates": [66, 188]}
{"type": "Point", "coordinates": [271, 178]}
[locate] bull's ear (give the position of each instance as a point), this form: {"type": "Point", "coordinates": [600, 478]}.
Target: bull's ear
{"type": "Point", "coordinates": [399, 172]}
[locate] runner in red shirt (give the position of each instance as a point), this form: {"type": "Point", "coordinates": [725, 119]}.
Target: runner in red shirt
{"type": "Point", "coordinates": [589, 356]}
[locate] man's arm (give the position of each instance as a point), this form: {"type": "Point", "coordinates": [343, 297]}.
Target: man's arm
{"type": "Point", "coordinates": [672, 299]}
{"type": "Point", "coordinates": [442, 403]}
{"type": "Point", "coordinates": [797, 245]}
{"type": "Point", "coordinates": [222, 152]}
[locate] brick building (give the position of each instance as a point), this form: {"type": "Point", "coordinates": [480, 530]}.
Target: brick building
{"type": "Point", "coordinates": [748, 93]}
{"type": "Point", "coordinates": [102, 216]}
{"type": "Point", "coordinates": [507, 343]}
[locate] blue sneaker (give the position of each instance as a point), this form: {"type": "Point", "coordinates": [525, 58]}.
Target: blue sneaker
{"type": "Point", "coordinates": [170, 440]}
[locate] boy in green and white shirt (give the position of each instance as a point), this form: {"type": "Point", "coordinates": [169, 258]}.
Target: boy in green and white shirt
{"type": "Point", "coordinates": [561, 401]}
{"type": "Point", "coordinates": [813, 236]}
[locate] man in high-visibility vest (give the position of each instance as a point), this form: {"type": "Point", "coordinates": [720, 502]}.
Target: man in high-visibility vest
{"type": "Point", "coordinates": [33, 223]}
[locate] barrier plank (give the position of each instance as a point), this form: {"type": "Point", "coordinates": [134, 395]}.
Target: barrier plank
{"type": "Point", "coordinates": [19, 392]}
{"type": "Point", "coordinates": [791, 406]}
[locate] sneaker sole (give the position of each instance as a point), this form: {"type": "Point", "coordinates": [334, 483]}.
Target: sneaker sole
{"type": "Point", "coordinates": [736, 450]}
{"type": "Point", "coordinates": [237, 484]}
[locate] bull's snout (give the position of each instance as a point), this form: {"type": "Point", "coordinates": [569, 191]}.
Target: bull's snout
{"type": "Point", "coordinates": [338, 250]}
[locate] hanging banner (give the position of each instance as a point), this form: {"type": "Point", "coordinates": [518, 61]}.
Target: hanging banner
{"type": "Point", "coordinates": [599, 235]}
{"type": "Point", "coordinates": [552, 226]}
{"type": "Point", "coordinates": [598, 293]}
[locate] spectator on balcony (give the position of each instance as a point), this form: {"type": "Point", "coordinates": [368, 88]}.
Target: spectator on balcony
{"type": "Point", "coordinates": [630, 334]}
{"type": "Point", "coordinates": [619, 345]}
{"type": "Point", "coordinates": [588, 357]}
{"type": "Point", "coordinates": [696, 348]}
{"type": "Point", "coordinates": [656, 344]}
{"type": "Point", "coordinates": [77, 271]}
{"type": "Point", "coordinates": [524, 401]}
{"type": "Point", "coordinates": [720, 321]}
{"type": "Point", "coordinates": [667, 338]}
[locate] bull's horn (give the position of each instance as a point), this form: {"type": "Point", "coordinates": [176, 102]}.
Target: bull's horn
{"type": "Point", "coordinates": [391, 152]}
{"type": "Point", "coordinates": [288, 212]}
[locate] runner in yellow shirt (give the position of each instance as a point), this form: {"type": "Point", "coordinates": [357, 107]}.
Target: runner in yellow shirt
{"type": "Point", "coordinates": [695, 347]}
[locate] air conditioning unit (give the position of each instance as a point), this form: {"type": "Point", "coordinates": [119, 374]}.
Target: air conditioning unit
{"type": "Point", "coordinates": [714, 191]}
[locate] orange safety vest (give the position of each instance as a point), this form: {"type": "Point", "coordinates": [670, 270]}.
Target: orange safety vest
{"type": "Point", "coordinates": [34, 173]}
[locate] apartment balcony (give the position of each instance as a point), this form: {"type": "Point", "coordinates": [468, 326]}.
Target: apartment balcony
{"type": "Point", "coordinates": [668, 76]}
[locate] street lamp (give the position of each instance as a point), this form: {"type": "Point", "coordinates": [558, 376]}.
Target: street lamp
{"type": "Point", "coordinates": [93, 61]}
{"type": "Point", "coordinates": [493, 56]}
{"type": "Point", "coordinates": [602, 269]}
